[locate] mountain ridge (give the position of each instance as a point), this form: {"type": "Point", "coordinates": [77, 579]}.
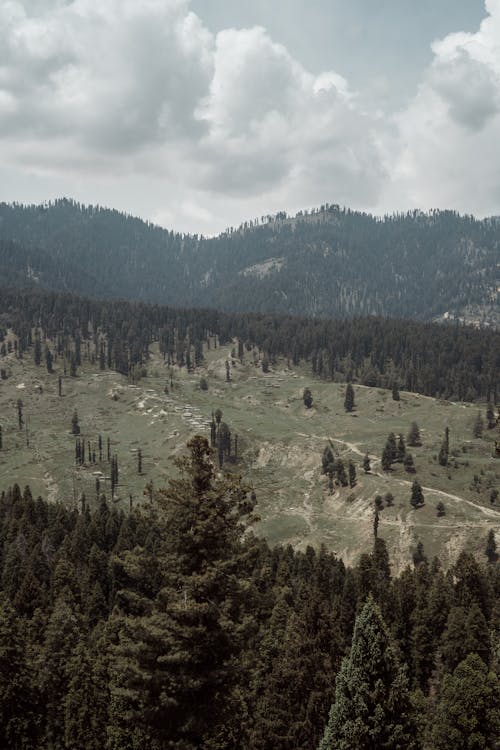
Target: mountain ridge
{"type": "Point", "coordinates": [333, 262]}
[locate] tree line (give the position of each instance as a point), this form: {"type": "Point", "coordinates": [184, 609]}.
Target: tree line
{"type": "Point", "coordinates": [446, 361]}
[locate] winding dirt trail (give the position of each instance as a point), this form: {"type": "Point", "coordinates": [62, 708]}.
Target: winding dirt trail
{"type": "Point", "coordinates": [354, 447]}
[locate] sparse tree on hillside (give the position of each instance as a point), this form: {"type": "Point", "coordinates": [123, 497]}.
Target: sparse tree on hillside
{"type": "Point", "coordinates": [490, 417]}
{"type": "Point", "coordinates": [75, 426]}
{"type": "Point", "coordinates": [37, 350]}
{"type": "Point", "coordinates": [414, 440]}
{"type": "Point", "coordinates": [395, 392]}
{"type": "Point", "coordinates": [352, 475]}
{"type": "Point", "coordinates": [49, 360]}
{"type": "Point", "coordinates": [349, 398]}
{"type": "Point", "coordinates": [20, 419]}
{"type": "Point", "coordinates": [445, 448]}
{"type": "Point", "coordinates": [478, 426]}
{"type": "Point", "coordinates": [366, 463]}
{"type": "Point", "coordinates": [409, 464]}
{"type": "Point", "coordinates": [307, 398]}
{"type": "Point", "coordinates": [417, 496]}
{"type": "Point", "coordinates": [328, 466]}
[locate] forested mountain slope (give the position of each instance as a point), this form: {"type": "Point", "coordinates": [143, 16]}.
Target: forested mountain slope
{"type": "Point", "coordinates": [332, 262]}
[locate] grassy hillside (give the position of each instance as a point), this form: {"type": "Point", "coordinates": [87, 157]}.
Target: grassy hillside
{"type": "Point", "coordinates": [280, 446]}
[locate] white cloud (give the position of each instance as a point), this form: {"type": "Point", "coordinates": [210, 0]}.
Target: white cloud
{"type": "Point", "coordinates": [138, 105]}
{"type": "Point", "coordinates": [448, 137]}
{"type": "Point", "coordinates": [134, 89]}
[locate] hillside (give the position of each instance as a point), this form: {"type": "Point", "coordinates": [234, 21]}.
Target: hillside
{"type": "Point", "coordinates": [332, 262]}
{"type": "Point", "coordinates": [280, 446]}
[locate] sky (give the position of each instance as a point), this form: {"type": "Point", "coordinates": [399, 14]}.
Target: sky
{"type": "Point", "coordinates": [200, 114]}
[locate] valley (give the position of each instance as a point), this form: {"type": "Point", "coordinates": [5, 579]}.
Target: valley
{"type": "Point", "coordinates": [280, 446]}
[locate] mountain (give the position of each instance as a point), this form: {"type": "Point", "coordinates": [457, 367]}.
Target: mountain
{"type": "Point", "coordinates": [331, 262]}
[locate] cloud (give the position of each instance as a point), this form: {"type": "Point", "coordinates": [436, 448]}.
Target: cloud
{"type": "Point", "coordinates": [126, 88]}
{"type": "Point", "coordinates": [270, 121]}
{"type": "Point", "coordinates": [138, 105]}
{"type": "Point", "coordinates": [447, 138]}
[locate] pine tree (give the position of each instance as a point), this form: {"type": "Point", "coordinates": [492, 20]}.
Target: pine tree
{"type": "Point", "coordinates": [417, 496]}
{"type": "Point", "coordinates": [478, 426]}
{"type": "Point", "coordinates": [37, 351]}
{"type": "Point", "coordinates": [17, 698]}
{"type": "Point", "coordinates": [491, 547]}
{"type": "Point", "coordinates": [352, 474]}
{"type": "Point", "coordinates": [395, 392]}
{"type": "Point", "coordinates": [413, 439]}
{"type": "Point", "coordinates": [49, 360]}
{"type": "Point", "coordinates": [372, 702]}
{"type": "Point", "coordinates": [468, 712]}
{"type": "Point", "coordinates": [349, 398]}
{"type": "Point", "coordinates": [341, 474]}
{"type": "Point", "coordinates": [307, 398]}
{"type": "Point", "coordinates": [401, 449]}
{"type": "Point", "coordinates": [366, 464]}
{"type": "Point", "coordinates": [75, 426]}
{"type": "Point", "coordinates": [490, 417]}
{"type": "Point", "coordinates": [174, 665]}
{"type": "Point", "coordinates": [445, 449]}
{"type": "Point", "coordinates": [409, 464]}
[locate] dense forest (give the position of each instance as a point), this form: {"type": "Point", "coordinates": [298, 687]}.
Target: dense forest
{"type": "Point", "coordinates": [451, 362]}
{"type": "Point", "coordinates": [331, 262]}
{"type": "Point", "coordinates": [174, 626]}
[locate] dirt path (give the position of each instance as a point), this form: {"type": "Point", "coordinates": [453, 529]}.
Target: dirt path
{"type": "Point", "coordinates": [354, 447]}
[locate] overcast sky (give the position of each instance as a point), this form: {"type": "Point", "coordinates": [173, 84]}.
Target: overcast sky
{"type": "Point", "coordinates": [199, 114]}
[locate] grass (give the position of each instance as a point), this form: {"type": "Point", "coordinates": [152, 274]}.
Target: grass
{"type": "Point", "coordinates": [280, 441]}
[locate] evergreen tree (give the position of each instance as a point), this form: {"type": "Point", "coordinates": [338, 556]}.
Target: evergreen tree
{"type": "Point", "coordinates": [490, 417]}
{"type": "Point", "coordinates": [341, 474]}
{"type": "Point", "coordinates": [198, 618]}
{"type": "Point", "coordinates": [49, 360]}
{"type": "Point", "coordinates": [349, 398]}
{"type": "Point", "coordinates": [401, 449]}
{"type": "Point", "coordinates": [37, 350]}
{"type": "Point", "coordinates": [491, 547]}
{"type": "Point", "coordinates": [417, 496]}
{"type": "Point", "coordinates": [413, 438]}
{"type": "Point", "coordinates": [328, 466]}
{"type": "Point", "coordinates": [307, 398]}
{"type": "Point", "coordinates": [17, 702]}
{"type": "Point", "coordinates": [372, 706]}
{"type": "Point", "coordinates": [409, 464]}
{"type": "Point", "coordinates": [395, 392]}
{"type": "Point", "coordinates": [478, 426]}
{"type": "Point", "coordinates": [468, 713]}
{"type": "Point", "coordinates": [75, 426]}
{"type": "Point", "coordinates": [352, 474]}
{"type": "Point", "coordinates": [445, 449]}
{"type": "Point", "coordinates": [366, 464]}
